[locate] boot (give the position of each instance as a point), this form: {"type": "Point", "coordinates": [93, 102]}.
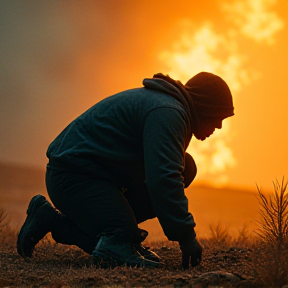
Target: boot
{"type": "Point", "coordinates": [110, 251]}
{"type": "Point", "coordinates": [145, 251]}
{"type": "Point", "coordinates": [39, 221]}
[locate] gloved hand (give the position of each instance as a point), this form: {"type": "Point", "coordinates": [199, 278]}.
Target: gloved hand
{"type": "Point", "coordinates": [191, 252]}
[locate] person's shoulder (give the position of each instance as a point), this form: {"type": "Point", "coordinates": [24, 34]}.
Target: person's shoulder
{"type": "Point", "coordinates": [160, 98]}
{"type": "Point", "coordinates": [140, 98]}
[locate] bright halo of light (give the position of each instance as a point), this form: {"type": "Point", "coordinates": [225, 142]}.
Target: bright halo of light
{"type": "Point", "coordinates": [204, 49]}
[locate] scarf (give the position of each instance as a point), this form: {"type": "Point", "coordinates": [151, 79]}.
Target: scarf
{"type": "Point", "coordinates": [204, 96]}
{"type": "Point", "coordinates": [171, 87]}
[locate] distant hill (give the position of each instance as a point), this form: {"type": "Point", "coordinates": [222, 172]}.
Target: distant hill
{"type": "Point", "coordinates": [20, 176]}
{"type": "Point", "coordinates": [18, 184]}
{"type": "Point", "coordinates": [233, 207]}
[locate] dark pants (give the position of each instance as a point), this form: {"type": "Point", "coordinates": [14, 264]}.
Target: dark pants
{"type": "Point", "coordinates": [90, 206]}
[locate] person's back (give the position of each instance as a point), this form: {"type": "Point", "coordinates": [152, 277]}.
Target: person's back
{"type": "Point", "coordinates": [107, 139]}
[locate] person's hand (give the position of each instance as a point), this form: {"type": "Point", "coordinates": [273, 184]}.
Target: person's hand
{"type": "Point", "coordinates": [191, 253]}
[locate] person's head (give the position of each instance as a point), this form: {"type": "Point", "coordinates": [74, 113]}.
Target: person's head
{"type": "Point", "coordinates": [212, 100]}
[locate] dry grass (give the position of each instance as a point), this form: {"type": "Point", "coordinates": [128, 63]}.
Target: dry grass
{"type": "Point", "coordinates": [56, 265]}
{"type": "Point", "coordinates": [3, 216]}
{"type": "Point", "coordinates": [259, 261]}
{"type": "Point", "coordinates": [219, 234]}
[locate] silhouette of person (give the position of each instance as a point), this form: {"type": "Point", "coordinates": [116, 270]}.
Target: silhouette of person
{"type": "Point", "coordinates": [124, 161]}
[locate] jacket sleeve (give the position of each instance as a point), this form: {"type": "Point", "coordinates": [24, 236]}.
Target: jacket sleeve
{"type": "Point", "coordinates": [164, 137]}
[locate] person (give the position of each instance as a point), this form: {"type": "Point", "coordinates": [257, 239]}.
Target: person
{"type": "Point", "coordinates": [124, 161]}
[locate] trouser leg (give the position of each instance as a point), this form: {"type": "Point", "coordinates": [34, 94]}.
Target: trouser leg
{"type": "Point", "coordinates": [88, 213]}
{"type": "Point", "coordinates": [65, 231]}
{"type": "Point", "coordinates": [140, 203]}
{"type": "Point", "coordinates": [91, 206]}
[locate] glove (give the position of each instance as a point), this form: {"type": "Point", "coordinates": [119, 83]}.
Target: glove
{"type": "Point", "coordinates": [191, 252]}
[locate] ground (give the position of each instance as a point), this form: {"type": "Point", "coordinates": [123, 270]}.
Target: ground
{"type": "Point", "coordinates": [56, 265]}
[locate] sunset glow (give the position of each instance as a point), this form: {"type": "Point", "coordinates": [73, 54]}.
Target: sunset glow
{"type": "Point", "coordinates": [254, 19]}
{"type": "Point", "coordinates": [59, 58]}
{"type": "Point", "coordinates": [204, 49]}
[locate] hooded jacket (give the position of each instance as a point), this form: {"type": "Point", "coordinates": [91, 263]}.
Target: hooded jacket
{"type": "Point", "coordinates": [134, 138]}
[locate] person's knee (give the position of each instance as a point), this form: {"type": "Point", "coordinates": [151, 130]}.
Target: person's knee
{"type": "Point", "coordinates": [190, 170]}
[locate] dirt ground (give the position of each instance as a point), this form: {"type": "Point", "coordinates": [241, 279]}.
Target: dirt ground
{"type": "Point", "coordinates": [56, 265]}
{"type": "Point", "coordinates": [230, 264]}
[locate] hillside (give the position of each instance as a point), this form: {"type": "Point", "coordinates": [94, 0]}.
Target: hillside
{"type": "Point", "coordinates": [234, 208]}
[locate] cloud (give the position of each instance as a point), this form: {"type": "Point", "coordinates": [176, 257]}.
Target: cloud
{"type": "Point", "coordinates": [196, 50]}
{"type": "Point", "coordinates": [203, 48]}
{"type": "Point", "coordinates": [254, 19]}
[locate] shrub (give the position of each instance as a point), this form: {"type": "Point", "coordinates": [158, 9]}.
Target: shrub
{"type": "Point", "coordinates": [271, 252]}
{"type": "Point", "coordinates": [274, 214]}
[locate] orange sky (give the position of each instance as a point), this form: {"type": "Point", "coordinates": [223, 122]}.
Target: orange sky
{"type": "Point", "coordinates": [57, 58]}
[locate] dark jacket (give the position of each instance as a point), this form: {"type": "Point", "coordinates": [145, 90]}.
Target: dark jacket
{"type": "Point", "coordinates": [134, 137]}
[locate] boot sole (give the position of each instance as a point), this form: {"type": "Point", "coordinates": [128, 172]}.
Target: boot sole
{"type": "Point", "coordinates": [36, 202]}
{"type": "Point", "coordinates": [147, 254]}
{"type": "Point", "coordinates": [103, 260]}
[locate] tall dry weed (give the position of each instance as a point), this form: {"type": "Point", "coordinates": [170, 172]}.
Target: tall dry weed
{"type": "Point", "coordinates": [244, 238]}
{"type": "Point", "coordinates": [271, 251]}
{"type": "Point", "coordinates": [7, 234]}
{"type": "Point", "coordinates": [3, 216]}
{"type": "Point", "coordinates": [220, 234]}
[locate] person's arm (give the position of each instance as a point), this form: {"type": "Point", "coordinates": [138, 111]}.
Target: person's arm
{"type": "Point", "coordinates": [164, 138]}
{"type": "Point", "coordinates": [164, 141]}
